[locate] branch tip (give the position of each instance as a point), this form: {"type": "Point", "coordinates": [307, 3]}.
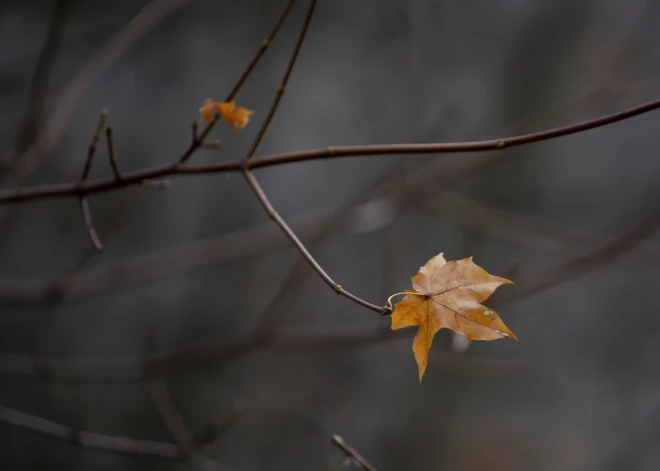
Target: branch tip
{"type": "Point", "coordinates": [111, 154]}
{"type": "Point", "coordinates": [89, 224]}
{"type": "Point", "coordinates": [351, 453]}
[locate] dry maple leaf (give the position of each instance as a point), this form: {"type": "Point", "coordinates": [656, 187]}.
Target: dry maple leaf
{"type": "Point", "coordinates": [448, 295]}
{"type": "Point", "coordinates": [237, 116]}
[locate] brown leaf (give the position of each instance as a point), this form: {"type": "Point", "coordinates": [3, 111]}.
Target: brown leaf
{"type": "Point", "coordinates": [237, 116]}
{"type": "Point", "coordinates": [448, 295]}
{"type": "Point", "coordinates": [206, 110]}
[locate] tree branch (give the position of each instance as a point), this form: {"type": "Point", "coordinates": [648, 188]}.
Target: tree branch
{"type": "Point", "coordinates": [351, 453]}
{"type": "Point", "coordinates": [197, 137]}
{"type": "Point", "coordinates": [170, 415]}
{"type": "Point", "coordinates": [581, 264]}
{"type": "Point", "coordinates": [132, 178]}
{"type": "Point", "coordinates": [282, 87]}
{"type": "Point", "coordinates": [103, 442]}
{"type": "Point", "coordinates": [148, 17]}
{"type": "Point", "coordinates": [84, 200]}
{"type": "Point", "coordinates": [260, 52]}
{"type": "Point", "coordinates": [131, 369]}
{"type": "Point", "coordinates": [92, 370]}
{"type": "Point", "coordinates": [274, 215]}
{"type": "Point", "coordinates": [39, 84]}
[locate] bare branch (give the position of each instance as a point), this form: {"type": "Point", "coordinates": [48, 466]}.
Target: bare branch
{"type": "Point", "coordinates": [33, 118]}
{"type": "Point", "coordinates": [130, 369]}
{"type": "Point", "coordinates": [84, 200]}
{"type": "Point", "coordinates": [102, 442]}
{"type": "Point", "coordinates": [283, 84]}
{"type": "Point", "coordinates": [92, 146]}
{"type": "Point", "coordinates": [262, 49]}
{"type": "Point", "coordinates": [89, 224]}
{"type": "Point", "coordinates": [351, 453]}
{"type": "Point", "coordinates": [274, 215]}
{"type": "Point", "coordinates": [111, 154]}
{"type": "Point", "coordinates": [170, 415]}
{"type": "Point", "coordinates": [132, 178]}
{"type": "Point", "coordinates": [86, 370]}
{"type": "Point", "coordinates": [148, 17]}
{"type": "Point", "coordinates": [582, 264]}
{"type": "Point", "coordinates": [199, 138]}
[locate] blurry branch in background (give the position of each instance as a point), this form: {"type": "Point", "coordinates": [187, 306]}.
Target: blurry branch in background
{"type": "Point", "coordinates": [59, 289]}
{"type": "Point", "coordinates": [351, 453]}
{"type": "Point", "coordinates": [164, 403]}
{"type": "Point", "coordinates": [146, 19]}
{"type": "Point", "coordinates": [32, 121]}
{"type": "Point", "coordinates": [265, 335]}
{"type": "Point", "coordinates": [513, 228]}
{"type": "Point", "coordinates": [94, 370]}
{"type": "Point", "coordinates": [132, 369]}
{"type": "Point", "coordinates": [170, 415]}
{"type": "Point", "coordinates": [580, 265]}
{"type": "Point", "coordinates": [189, 443]}
{"type": "Point", "coordinates": [103, 442]}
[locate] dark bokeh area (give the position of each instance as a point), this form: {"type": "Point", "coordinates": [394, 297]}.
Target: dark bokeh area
{"type": "Point", "coordinates": [248, 351]}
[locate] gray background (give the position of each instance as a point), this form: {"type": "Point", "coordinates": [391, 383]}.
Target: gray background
{"type": "Point", "coordinates": [578, 391]}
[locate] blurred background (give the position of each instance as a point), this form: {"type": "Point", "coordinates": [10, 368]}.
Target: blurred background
{"type": "Point", "coordinates": [249, 351]}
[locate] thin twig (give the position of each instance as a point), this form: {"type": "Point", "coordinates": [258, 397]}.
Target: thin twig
{"type": "Point", "coordinates": [282, 341]}
{"type": "Point", "coordinates": [263, 239]}
{"type": "Point", "coordinates": [351, 453]}
{"type": "Point", "coordinates": [176, 260]}
{"type": "Point", "coordinates": [103, 442]}
{"type": "Point", "coordinates": [290, 289]}
{"type": "Point", "coordinates": [148, 17]}
{"type": "Point", "coordinates": [93, 370]}
{"type": "Point", "coordinates": [198, 137]}
{"type": "Point", "coordinates": [170, 415]}
{"type": "Point", "coordinates": [132, 178]}
{"type": "Point", "coordinates": [39, 85]}
{"type": "Point", "coordinates": [111, 154]}
{"type": "Point", "coordinates": [260, 52]}
{"type": "Point", "coordinates": [84, 200]}
{"type": "Point", "coordinates": [213, 431]}
{"type": "Point", "coordinates": [195, 131]}
{"type": "Point", "coordinates": [274, 215]}
{"type": "Point", "coordinates": [285, 80]}
{"type": "Point", "coordinates": [160, 263]}
{"type": "Point", "coordinates": [509, 226]}
{"type": "Point", "coordinates": [92, 146]}
{"type": "Point", "coordinates": [580, 265]}
{"type": "Point", "coordinates": [89, 224]}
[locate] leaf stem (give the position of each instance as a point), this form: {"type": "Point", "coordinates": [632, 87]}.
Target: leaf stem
{"type": "Point", "coordinates": [389, 300]}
